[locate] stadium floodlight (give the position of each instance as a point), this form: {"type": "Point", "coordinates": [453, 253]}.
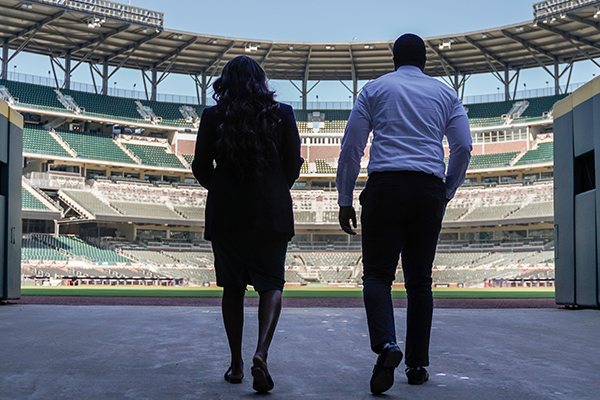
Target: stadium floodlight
{"type": "Point", "coordinates": [24, 6]}
{"type": "Point", "coordinates": [251, 48]}
{"type": "Point", "coordinates": [446, 44]}
{"type": "Point", "coordinates": [369, 47]}
{"type": "Point", "coordinates": [290, 47]}
{"type": "Point", "coordinates": [328, 47]}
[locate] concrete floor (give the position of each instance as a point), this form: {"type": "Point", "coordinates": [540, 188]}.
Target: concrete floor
{"type": "Point", "coordinates": [144, 352]}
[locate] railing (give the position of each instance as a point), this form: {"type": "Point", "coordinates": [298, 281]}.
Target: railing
{"type": "Point", "coordinates": [48, 180]}
{"type": "Point", "coordinates": [311, 105]}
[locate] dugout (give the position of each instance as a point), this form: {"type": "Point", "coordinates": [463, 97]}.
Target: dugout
{"type": "Point", "coordinates": [11, 164]}
{"type": "Point", "coordinates": [576, 201]}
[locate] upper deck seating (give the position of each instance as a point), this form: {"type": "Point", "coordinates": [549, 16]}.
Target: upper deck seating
{"type": "Point", "coordinates": [544, 153]}
{"type": "Point", "coordinates": [36, 96]}
{"type": "Point", "coordinates": [37, 140]}
{"type": "Point", "coordinates": [106, 106]}
{"type": "Point", "coordinates": [489, 110]}
{"type": "Point", "coordinates": [540, 105]}
{"type": "Point", "coordinates": [94, 146]}
{"type": "Point", "coordinates": [155, 155]}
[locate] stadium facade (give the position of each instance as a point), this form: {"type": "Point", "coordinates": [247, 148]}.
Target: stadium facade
{"type": "Point", "coordinates": [107, 186]}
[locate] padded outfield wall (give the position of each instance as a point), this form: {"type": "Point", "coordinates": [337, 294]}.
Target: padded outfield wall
{"type": "Point", "coordinates": [576, 200]}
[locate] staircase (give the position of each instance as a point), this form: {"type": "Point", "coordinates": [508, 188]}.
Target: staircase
{"type": "Point", "coordinates": [127, 151]}
{"type": "Point", "coordinates": [147, 113]}
{"type": "Point", "coordinates": [62, 143]}
{"type": "Point", "coordinates": [68, 102]}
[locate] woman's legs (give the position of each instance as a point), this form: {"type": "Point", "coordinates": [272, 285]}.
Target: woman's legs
{"type": "Point", "coordinates": [232, 306]}
{"type": "Point", "coordinates": [269, 308]}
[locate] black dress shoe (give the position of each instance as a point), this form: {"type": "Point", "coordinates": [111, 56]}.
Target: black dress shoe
{"type": "Point", "coordinates": [417, 375]}
{"type": "Point", "coordinates": [383, 372]}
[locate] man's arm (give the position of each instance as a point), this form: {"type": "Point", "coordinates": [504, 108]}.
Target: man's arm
{"type": "Point", "coordinates": [353, 145]}
{"type": "Point", "coordinates": [459, 139]}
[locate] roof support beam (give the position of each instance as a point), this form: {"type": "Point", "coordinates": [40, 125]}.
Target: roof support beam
{"type": "Point", "coordinates": [305, 80]}
{"type": "Point", "coordinates": [217, 61]}
{"type": "Point", "coordinates": [264, 59]}
{"type": "Point", "coordinates": [485, 51]}
{"type": "Point", "coordinates": [36, 27]}
{"type": "Point", "coordinates": [99, 40]}
{"type": "Point", "coordinates": [583, 21]}
{"type": "Point", "coordinates": [569, 37]}
{"type": "Point", "coordinates": [174, 55]}
{"type": "Point", "coordinates": [528, 45]}
{"type": "Point", "coordinates": [133, 46]}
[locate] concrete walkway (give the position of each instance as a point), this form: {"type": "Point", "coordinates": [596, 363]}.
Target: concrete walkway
{"type": "Point", "coordinates": [143, 352]}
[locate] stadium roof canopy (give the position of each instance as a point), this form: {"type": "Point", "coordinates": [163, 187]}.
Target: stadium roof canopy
{"type": "Point", "coordinates": [106, 34]}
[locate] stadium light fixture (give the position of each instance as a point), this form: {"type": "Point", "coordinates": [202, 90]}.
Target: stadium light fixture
{"type": "Point", "coordinates": [25, 6]}
{"type": "Point", "coordinates": [251, 48]}
{"type": "Point", "coordinates": [369, 47]}
{"type": "Point", "coordinates": [290, 47]}
{"type": "Point", "coordinates": [563, 16]}
{"type": "Point", "coordinates": [446, 44]}
{"type": "Point", "coordinates": [328, 47]}
{"type": "Point", "coordinates": [520, 29]}
{"type": "Point", "coordinates": [176, 36]}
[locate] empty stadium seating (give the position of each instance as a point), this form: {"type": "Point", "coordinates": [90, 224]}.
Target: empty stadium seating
{"type": "Point", "coordinates": [155, 155]}
{"type": "Point", "coordinates": [94, 146]}
{"type": "Point", "coordinates": [544, 153]}
{"type": "Point", "coordinates": [30, 202]}
{"type": "Point", "coordinates": [90, 202]}
{"type": "Point", "coordinates": [37, 96]}
{"type": "Point", "coordinates": [324, 168]}
{"type": "Point", "coordinates": [32, 249]}
{"type": "Point", "coordinates": [37, 140]}
{"type": "Point", "coordinates": [106, 106]}
{"type": "Point", "coordinates": [78, 247]}
{"type": "Point", "coordinates": [145, 210]}
{"type": "Point", "coordinates": [491, 160]}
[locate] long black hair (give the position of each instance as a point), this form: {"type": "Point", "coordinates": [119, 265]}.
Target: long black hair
{"type": "Point", "coordinates": [248, 113]}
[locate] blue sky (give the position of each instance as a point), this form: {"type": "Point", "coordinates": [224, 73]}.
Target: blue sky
{"type": "Point", "coordinates": [326, 20]}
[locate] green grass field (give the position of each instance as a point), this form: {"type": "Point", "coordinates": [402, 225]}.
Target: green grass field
{"type": "Point", "coordinates": [316, 291]}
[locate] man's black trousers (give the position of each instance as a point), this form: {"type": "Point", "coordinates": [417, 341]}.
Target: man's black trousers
{"type": "Point", "coordinates": [402, 214]}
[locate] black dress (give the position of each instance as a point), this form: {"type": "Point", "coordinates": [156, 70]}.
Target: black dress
{"type": "Point", "coordinates": [249, 221]}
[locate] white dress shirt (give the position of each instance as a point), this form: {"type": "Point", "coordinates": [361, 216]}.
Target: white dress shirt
{"type": "Point", "coordinates": [409, 113]}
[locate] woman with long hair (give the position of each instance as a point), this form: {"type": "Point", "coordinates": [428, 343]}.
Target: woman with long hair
{"type": "Point", "coordinates": [248, 157]}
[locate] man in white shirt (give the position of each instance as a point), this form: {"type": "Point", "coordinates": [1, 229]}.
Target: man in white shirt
{"type": "Point", "coordinates": [404, 201]}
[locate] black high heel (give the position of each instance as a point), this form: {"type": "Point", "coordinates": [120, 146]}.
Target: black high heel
{"type": "Point", "coordinates": [229, 377]}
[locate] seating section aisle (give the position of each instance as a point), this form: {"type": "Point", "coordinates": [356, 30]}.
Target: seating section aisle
{"type": "Point", "coordinates": [534, 210]}
{"type": "Point", "coordinates": [30, 202]}
{"type": "Point", "coordinates": [155, 155]}
{"type": "Point", "coordinates": [37, 140]}
{"type": "Point", "coordinates": [544, 153]}
{"type": "Point", "coordinates": [33, 95]}
{"type": "Point", "coordinates": [94, 146]}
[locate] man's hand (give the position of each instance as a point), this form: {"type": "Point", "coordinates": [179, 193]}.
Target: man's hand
{"type": "Point", "coordinates": [346, 215]}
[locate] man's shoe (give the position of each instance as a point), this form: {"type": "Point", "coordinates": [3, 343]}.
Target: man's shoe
{"type": "Point", "coordinates": [416, 375]}
{"type": "Point", "coordinates": [383, 372]}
